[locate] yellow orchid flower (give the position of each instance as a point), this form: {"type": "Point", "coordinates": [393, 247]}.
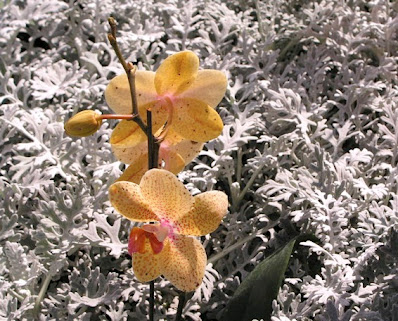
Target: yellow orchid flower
{"type": "Point", "coordinates": [165, 248]}
{"type": "Point", "coordinates": [178, 93]}
{"type": "Point", "coordinates": [175, 153]}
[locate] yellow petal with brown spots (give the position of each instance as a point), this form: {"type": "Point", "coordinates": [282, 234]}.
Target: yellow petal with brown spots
{"type": "Point", "coordinates": [209, 87]}
{"type": "Point", "coordinates": [127, 199]}
{"type": "Point", "coordinates": [195, 120]}
{"type": "Point", "coordinates": [176, 73]}
{"type": "Point", "coordinates": [173, 162]}
{"type": "Point", "coordinates": [207, 212]}
{"type": "Point", "coordinates": [127, 134]}
{"type": "Point", "coordinates": [172, 137]}
{"type": "Point", "coordinates": [148, 266]}
{"type": "Point", "coordinates": [136, 170]}
{"type": "Point", "coordinates": [185, 263]}
{"type": "Point", "coordinates": [167, 196]}
{"type": "Point", "coordinates": [129, 155]}
{"type": "Point", "coordinates": [187, 149]}
{"type": "Point", "coordinates": [118, 96]}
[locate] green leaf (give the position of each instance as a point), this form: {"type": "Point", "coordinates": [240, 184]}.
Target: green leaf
{"type": "Point", "coordinates": [253, 299]}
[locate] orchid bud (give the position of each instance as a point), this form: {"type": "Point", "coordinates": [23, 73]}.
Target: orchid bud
{"type": "Point", "coordinates": [85, 123]}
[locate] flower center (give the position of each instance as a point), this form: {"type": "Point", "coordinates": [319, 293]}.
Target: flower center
{"type": "Point", "coordinates": [167, 98]}
{"type": "Point", "coordinates": [154, 233]}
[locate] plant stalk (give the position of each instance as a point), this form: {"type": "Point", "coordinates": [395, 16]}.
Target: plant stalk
{"type": "Point", "coordinates": [181, 303]}
{"type": "Point", "coordinates": [153, 143]}
{"type": "Point", "coordinates": [151, 299]}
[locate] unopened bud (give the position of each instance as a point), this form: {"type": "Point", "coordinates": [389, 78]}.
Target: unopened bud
{"type": "Point", "coordinates": [85, 123]}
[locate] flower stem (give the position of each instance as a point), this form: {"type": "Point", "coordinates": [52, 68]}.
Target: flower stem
{"type": "Point", "coordinates": [114, 44]}
{"type": "Point", "coordinates": [151, 299]}
{"type": "Point", "coordinates": [181, 303]}
{"type": "Point", "coordinates": [130, 70]}
{"type": "Point", "coordinates": [153, 151]}
{"type": "Point", "coordinates": [131, 77]}
{"type": "Point", "coordinates": [153, 143]}
{"type": "Point", "coordinates": [115, 116]}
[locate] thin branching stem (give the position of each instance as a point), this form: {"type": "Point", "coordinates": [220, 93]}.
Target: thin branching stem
{"type": "Point", "coordinates": [115, 116]}
{"type": "Point", "coordinates": [130, 70]}
{"type": "Point", "coordinates": [114, 44]}
{"type": "Point", "coordinates": [136, 116]}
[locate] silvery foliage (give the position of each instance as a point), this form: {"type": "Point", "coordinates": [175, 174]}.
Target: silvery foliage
{"type": "Point", "coordinates": [309, 147]}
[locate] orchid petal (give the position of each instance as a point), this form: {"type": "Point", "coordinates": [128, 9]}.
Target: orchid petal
{"type": "Point", "coordinates": [173, 162]}
{"type": "Point", "coordinates": [185, 263]}
{"type": "Point", "coordinates": [209, 87]}
{"type": "Point", "coordinates": [128, 200]}
{"type": "Point", "coordinates": [130, 155]}
{"type": "Point", "coordinates": [176, 73]}
{"type": "Point", "coordinates": [136, 241]}
{"type": "Point", "coordinates": [127, 134]}
{"type": "Point", "coordinates": [195, 120]}
{"type": "Point", "coordinates": [206, 214]}
{"type": "Point", "coordinates": [148, 266]}
{"type": "Point", "coordinates": [136, 170]}
{"type": "Point", "coordinates": [118, 96]}
{"type": "Point", "coordinates": [188, 150]}
{"type": "Point", "coordinates": [167, 196]}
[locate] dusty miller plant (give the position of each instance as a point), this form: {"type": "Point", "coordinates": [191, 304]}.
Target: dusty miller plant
{"type": "Point", "coordinates": [309, 147]}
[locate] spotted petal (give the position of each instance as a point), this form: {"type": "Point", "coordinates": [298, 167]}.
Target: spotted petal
{"type": "Point", "coordinates": [207, 212]}
{"type": "Point", "coordinates": [118, 97]}
{"type": "Point", "coordinates": [173, 162]}
{"type": "Point", "coordinates": [127, 134]}
{"type": "Point", "coordinates": [128, 200]}
{"type": "Point", "coordinates": [148, 266]}
{"type": "Point", "coordinates": [188, 150]}
{"type": "Point", "coordinates": [136, 170]}
{"type": "Point", "coordinates": [209, 87]}
{"type": "Point", "coordinates": [195, 120]}
{"type": "Point", "coordinates": [167, 196]}
{"type": "Point", "coordinates": [176, 73]}
{"type": "Point", "coordinates": [185, 264]}
{"type": "Point", "coordinates": [117, 93]}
